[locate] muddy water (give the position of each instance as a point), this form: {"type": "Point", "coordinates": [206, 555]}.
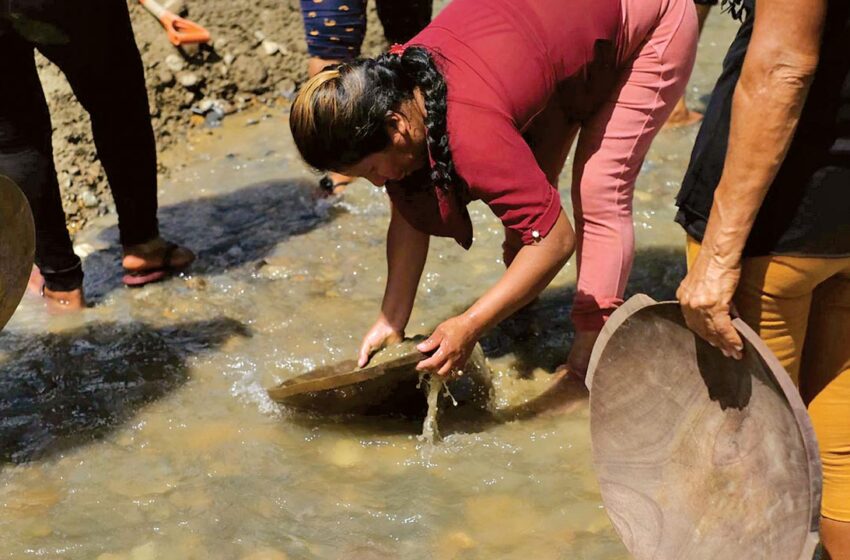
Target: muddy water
{"type": "Point", "coordinates": [140, 429]}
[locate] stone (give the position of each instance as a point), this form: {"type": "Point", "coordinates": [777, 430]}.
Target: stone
{"type": "Point", "coordinates": [165, 77]}
{"type": "Point", "coordinates": [452, 545]}
{"type": "Point", "coordinates": [195, 283]}
{"type": "Point", "coordinates": [220, 42]}
{"type": "Point", "coordinates": [175, 63]}
{"type": "Point", "coordinates": [265, 553]}
{"type": "Point", "coordinates": [208, 436]}
{"type": "Point", "coordinates": [643, 196]}
{"type": "Point", "coordinates": [189, 80]}
{"type": "Point", "coordinates": [194, 500]}
{"type": "Point", "coordinates": [270, 47]}
{"type": "Point", "coordinates": [252, 74]}
{"type": "Point", "coordinates": [146, 551]}
{"type": "Point", "coordinates": [286, 88]}
{"type": "Point", "coordinates": [203, 106]}
{"type": "Point", "coordinates": [89, 198]}
{"type": "Point", "coordinates": [153, 482]}
{"type": "Point", "coordinates": [34, 499]}
{"type": "Point", "coordinates": [346, 453]}
{"type": "Point", "coordinates": [485, 515]}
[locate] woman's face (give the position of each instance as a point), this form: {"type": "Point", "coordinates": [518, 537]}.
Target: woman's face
{"type": "Point", "coordinates": [406, 153]}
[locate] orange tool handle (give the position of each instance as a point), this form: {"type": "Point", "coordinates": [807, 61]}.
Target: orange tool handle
{"type": "Point", "coordinates": [180, 31]}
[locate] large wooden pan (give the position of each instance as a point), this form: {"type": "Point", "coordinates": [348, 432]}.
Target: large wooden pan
{"type": "Point", "coordinates": [17, 247]}
{"type": "Point", "coordinates": [699, 456]}
{"type": "Point", "coordinates": [388, 385]}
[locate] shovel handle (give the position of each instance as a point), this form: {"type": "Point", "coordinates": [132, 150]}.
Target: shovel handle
{"type": "Point", "coordinates": [154, 7]}
{"type": "Point", "coordinates": [180, 31]}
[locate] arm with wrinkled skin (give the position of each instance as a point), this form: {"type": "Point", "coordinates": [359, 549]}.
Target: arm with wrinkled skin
{"type": "Point", "coordinates": [766, 107]}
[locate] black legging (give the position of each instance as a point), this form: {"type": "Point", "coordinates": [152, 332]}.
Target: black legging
{"type": "Point", "coordinates": [92, 42]}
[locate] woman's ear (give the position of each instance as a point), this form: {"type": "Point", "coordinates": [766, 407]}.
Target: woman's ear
{"type": "Point", "coordinates": [398, 127]}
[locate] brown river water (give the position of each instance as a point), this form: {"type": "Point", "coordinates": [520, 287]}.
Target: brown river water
{"type": "Point", "coordinates": [140, 429]}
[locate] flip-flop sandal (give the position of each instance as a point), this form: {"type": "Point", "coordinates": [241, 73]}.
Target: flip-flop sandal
{"type": "Point", "coordinates": [327, 184]}
{"type": "Point", "coordinates": [139, 278]}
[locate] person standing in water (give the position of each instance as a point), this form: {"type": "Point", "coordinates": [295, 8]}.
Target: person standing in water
{"type": "Point", "coordinates": [334, 32]}
{"type": "Point", "coordinates": [765, 204]}
{"type": "Point", "coordinates": [485, 104]}
{"type": "Point", "coordinates": [92, 43]}
{"type": "Point", "coordinates": [681, 114]}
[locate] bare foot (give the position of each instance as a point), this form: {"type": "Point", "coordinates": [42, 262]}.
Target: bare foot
{"type": "Point", "coordinates": [153, 254]}
{"type": "Point", "coordinates": [565, 394]}
{"type": "Point", "coordinates": [682, 116]}
{"type": "Point", "coordinates": [64, 302]}
{"type": "Point", "coordinates": [580, 351]}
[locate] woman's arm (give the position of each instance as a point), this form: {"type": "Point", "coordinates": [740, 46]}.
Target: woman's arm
{"type": "Point", "coordinates": [531, 270]}
{"type": "Point", "coordinates": [778, 68]}
{"type": "Point", "coordinates": [407, 250]}
{"type": "Point", "coordinates": [529, 273]}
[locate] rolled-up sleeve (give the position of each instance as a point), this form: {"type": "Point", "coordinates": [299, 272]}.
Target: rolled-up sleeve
{"type": "Point", "coordinates": [500, 169]}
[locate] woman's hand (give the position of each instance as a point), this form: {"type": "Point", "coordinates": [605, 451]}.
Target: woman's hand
{"type": "Point", "coordinates": [452, 343]}
{"type": "Point", "coordinates": [706, 299]}
{"type": "Point", "coordinates": [380, 335]}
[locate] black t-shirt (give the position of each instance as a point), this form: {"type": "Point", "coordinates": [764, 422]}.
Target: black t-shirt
{"type": "Point", "coordinates": [807, 209]}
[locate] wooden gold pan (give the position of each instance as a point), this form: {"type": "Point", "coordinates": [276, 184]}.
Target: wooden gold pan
{"type": "Point", "coordinates": [388, 385]}
{"type": "Point", "coordinates": [17, 247]}
{"type": "Point", "coordinates": [699, 456]}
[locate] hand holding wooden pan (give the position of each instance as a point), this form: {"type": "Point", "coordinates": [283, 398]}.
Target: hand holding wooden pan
{"type": "Point", "coordinates": [17, 247]}
{"type": "Point", "coordinates": [699, 456]}
{"type": "Point", "coordinates": [388, 385]}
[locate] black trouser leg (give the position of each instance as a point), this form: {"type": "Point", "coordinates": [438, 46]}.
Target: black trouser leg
{"type": "Point", "coordinates": [104, 68]}
{"type": "Point", "coordinates": [26, 156]}
{"type": "Point", "coordinates": [402, 19]}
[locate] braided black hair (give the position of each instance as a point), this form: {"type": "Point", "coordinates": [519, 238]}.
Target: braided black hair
{"type": "Point", "coordinates": [339, 117]}
{"type": "Point", "coordinates": [740, 9]}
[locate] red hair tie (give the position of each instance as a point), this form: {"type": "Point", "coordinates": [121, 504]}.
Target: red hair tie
{"type": "Point", "coordinates": [397, 49]}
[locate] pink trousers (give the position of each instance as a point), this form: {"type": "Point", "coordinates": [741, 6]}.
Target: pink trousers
{"type": "Point", "coordinates": [657, 47]}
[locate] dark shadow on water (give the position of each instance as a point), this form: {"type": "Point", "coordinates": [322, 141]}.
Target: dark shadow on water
{"type": "Point", "coordinates": [65, 389]}
{"type": "Point", "coordinates": [540, 336]}
{"type": "Point", "coordinates": [225, 231]}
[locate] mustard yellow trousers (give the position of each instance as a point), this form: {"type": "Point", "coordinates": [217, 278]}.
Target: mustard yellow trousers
{"type": "Point", "coordinates": [800, 306]}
